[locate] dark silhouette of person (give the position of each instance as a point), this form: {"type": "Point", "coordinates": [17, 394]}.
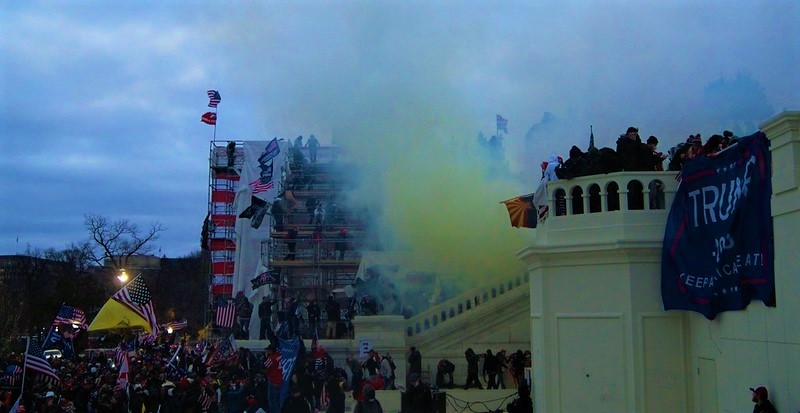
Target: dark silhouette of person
{"type": "Point", "coordinates": [312, 144]}
{"type": "Point", "coordinates": [414, 361]}
{"type": "Point", "coordinates": [265, 316]}
{"type": "Point", "coordinates": [472, 369]}
{"type": "Point", "coordinates": [231, 152]}
{"type": "Point", "coordinates": [291, 243]}
{"type": "Point", "coordinates": [341, 243]}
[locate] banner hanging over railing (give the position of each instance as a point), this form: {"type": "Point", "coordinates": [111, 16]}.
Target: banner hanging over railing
{"type": "Point", "coordinates": [718, 250]}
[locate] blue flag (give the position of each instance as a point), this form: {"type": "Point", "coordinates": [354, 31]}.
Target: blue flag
{"type": "Point", "coordinates": [718, 250]}
{"type": "Point", "coordinates": [288, 349]}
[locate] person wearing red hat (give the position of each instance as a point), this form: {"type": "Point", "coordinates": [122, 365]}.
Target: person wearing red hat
{"type": "Point", "coordinates": [761, 400]}
{"type": "Point", "coordinates": [252, 405]}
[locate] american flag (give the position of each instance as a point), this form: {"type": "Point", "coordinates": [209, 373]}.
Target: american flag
{"type": "Point", "coordinates": [68, 315]}
{"type": "Point", "coordinates": [35, 361]}
{"type": "Point", "coordinates": [177, 325]}
{"type": "Point", "coordinates": [226, 315]}
{"type": "Point", "coordinates": [136, 296]}
{"type": "Point", "coordinates": [122, 361]}
{"type": "Point", "coordinates": [259, 186]}
{"type": "Point", "coordinates": [213, 98]}
{"type": "Point", "coordinates": [206, 399]}
{"type": "Point", "coordinates": [13, 377]}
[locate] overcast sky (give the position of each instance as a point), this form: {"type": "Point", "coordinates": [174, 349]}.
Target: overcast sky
{"type": "Point", "coordinates": [101, 101]}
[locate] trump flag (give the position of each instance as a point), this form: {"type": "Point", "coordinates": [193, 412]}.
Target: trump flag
{"type": "Point", "coordinates": [718, 250]}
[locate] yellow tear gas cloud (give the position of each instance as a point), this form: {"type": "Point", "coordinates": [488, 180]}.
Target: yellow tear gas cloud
{"type": "Point", "coordinates": [429, 177]}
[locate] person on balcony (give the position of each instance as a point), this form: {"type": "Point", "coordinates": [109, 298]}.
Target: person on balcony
{"type": "Point", "coordinates": [654, 158]}
{"type": "Point", "coordinates": [628, 150]}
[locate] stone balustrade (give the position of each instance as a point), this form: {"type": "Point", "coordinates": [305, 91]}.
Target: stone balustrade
{"type": "Point", "coordinates": [462, 304]}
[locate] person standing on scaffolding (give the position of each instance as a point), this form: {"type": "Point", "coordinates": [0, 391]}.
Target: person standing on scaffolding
{"type": "Point", "coordinates": [231, 151]}
{"type": "Point", "coordinates": [312, 144]}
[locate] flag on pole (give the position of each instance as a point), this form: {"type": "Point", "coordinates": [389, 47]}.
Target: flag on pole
{"type": "Point", "coordinates": [68, 315]}
{"type": "Point", "coordinates": [34, 360]}
{"type": "Point", "coordinates": [122, 361]}
{"type": "Point", "coordinates": [521, 211]}
{"type": "Point", "coordinates": [136, 296]}
{"type": "Point", "coordinates": [176, 325]}
{"type": "Point", "coordinates": [226, 315]}
{"type": "Point", "coordinates": [209, 118]}
{"type": "Point", "coordinates": [502, 124]}
{"type": "Point", "coordinates": [129, 307]}
{"type": "Point", "coordinates": [289, 350]}
{"type": "Point", "coordinates": [213, 98]}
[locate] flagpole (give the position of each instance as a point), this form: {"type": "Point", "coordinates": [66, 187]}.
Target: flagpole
{"type": "Point", "coordinates": [25, 366]}
{"type": "Point", "coordinates": [216, 109]}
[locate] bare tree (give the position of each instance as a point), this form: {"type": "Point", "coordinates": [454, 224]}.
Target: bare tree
{"type": "Point", "coordinates": [116, 241]}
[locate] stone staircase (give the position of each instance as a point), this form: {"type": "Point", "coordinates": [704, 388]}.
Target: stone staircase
{"type": "Point", "coordinates": [493, 316]}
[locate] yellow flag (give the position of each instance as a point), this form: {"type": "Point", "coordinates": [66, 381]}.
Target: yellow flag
{"type": "Point", "coordinates": [115, 315]}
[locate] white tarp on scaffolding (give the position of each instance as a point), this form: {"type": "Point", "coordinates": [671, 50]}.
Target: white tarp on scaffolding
{"type": "Point", "coordinates": [260, 184]}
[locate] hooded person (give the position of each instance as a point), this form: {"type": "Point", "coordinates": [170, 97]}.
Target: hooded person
{"type": "Point", "coordinates": [370, 404]}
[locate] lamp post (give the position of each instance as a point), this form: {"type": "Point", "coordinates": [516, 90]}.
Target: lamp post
{"type": "Point", "coordinates": [122, 276]}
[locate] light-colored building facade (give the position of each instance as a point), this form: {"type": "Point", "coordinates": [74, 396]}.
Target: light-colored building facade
{"type": "Point", "coordinates": [600, 339]}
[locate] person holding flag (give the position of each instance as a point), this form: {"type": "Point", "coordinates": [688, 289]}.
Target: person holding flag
{"type": "Point", "coordinates": [502, 124]}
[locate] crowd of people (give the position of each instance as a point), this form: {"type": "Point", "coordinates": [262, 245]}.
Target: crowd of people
{"type": "Point", "coordinates": [220, 378]}
{"type": "Point", "coordinates": [632, 154]}
{"type": "Point", "coordinates": [181, 378]}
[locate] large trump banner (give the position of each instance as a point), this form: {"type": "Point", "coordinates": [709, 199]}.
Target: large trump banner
{"type": "Point", "coordinates": [718, 250]}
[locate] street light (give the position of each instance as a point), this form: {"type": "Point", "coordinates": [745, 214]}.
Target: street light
{"type": "Point", "coordinates": [123, 276]}
{"type": "Point", "coordinates": [169, 330]}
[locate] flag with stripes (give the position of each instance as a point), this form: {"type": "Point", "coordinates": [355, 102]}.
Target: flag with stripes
{"type": "Point", "coordinates": [68, 315]}
{"type": "Point", "coordinates": [226, 315]}
{"type": "Point", "coordinates": [12, 377]}
{"type": "Point", "coordinates": [136, 296]}
{"type": "Point", "coordinates": [206, 399]}
{"type": "Point", "coordinates": [122, 362]}
{"type": "Point", "coordinates": [176, 325]}
{"type": "Point", "coordinates": [259, 186]}
{"type": "Point", "coordinates": [213, 98]}
{"type": "Point", "coordinates": [34, 360]}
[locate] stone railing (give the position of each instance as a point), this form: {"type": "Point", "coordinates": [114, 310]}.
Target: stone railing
{"type": "Point", "coordinates": [462, 304]}
{"type": "Point", "coordinates": [619, 191]}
